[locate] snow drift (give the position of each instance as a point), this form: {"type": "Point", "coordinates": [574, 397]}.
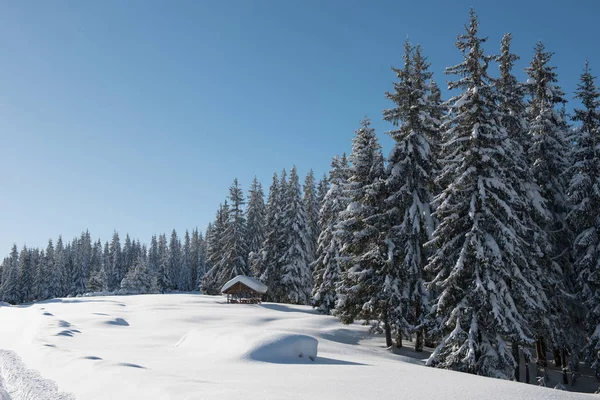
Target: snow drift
{"type": "Point", "coordinates": [284, 348]}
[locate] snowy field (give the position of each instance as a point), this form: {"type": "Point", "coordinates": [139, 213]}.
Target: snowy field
{"type": "Point", "coordinates": [189, 346]}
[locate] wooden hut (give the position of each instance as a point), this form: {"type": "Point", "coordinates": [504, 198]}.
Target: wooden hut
{"type": "Point", "coordinates": [244, 289]}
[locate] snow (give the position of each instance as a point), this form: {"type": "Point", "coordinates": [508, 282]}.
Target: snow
{"type": "Point", "coordinates": [248, 281]}
{"type": "Point", "coordinates": [191, 346]}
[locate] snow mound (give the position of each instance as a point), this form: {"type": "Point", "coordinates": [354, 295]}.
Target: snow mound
{"type": "Point", "coordinates": [19, 383]}
{"type": "Point", "coordinates": [3, 304]}
{"type": "Point", "coordinates": [284, 348]}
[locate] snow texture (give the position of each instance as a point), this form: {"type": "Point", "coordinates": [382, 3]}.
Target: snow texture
{"type": "Point", "coordinates": [190, 346]}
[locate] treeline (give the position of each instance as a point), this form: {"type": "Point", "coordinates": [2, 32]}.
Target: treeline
{"type": "Point", "coordinates": [83, 266]}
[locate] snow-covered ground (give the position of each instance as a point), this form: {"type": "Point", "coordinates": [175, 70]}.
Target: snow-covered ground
{"type": "Point", "coordinates": [189, 346]}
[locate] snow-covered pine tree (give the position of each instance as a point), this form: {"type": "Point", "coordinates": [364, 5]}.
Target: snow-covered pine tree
{"type": "Point", "coordinates": [163, 279]}
{"type": "Point", "coordinates": [296, 279]}
{"type": "Point", "coordinates": [139, 279]}
{"type": "Point", "coordinates": [584, 218]}
{"type": "Point", "coordinates": [326, 269]}
{"type": "Point", "coordinates": [106, 267]}
{"type": "Point", "coordinates": [311, 205]}
{"type": "Point", "coordinates": [195, 250]}
{"type": "Point", "coordinates": [214, 251]}
{"type": "Point", "coordinates": [115, 262]}
{"type": "Point", "coordinates": [153, 258]}
{"type": "Point", "coordinates": [255, 218]}
{"type": "Point", "coordinates": [26, 276]}
{"type": "Point", "coordinates": [322, 189]}
{"type": "Point", "coordinates": [95, 283]}
{"type": "Point", "coordinates": [174, 263]}
{"type": "Point", "coordinates": [480, 260]}
{"type": "Point", "coordinates": [267, 265]}
{"type": "Point", "coordinates": [9, 291]}
{"type": "Point", "coordinates": [546, 158]}
{"type": "Point", "coordinates": [49, 289]}
{"type": "Point", "coordinates": [235, 251]}
{"type": "Point", "coordinates": [185, 275]}
{"type": "Point", "coordinates": [410, 175]}
{"type": "Point", "coordinates": [361, 231]}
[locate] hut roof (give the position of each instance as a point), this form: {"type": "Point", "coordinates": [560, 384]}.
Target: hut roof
{"type": "Point", "coordinates": [252, 283]}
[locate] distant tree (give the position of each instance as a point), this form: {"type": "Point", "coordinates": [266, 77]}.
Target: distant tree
{"type": "Point", "coordinates": [326, 269]}
{"type": "Point", "coordinates": [311, 207]}
{"type": "Point", "coordinates": [255, 218]}
{"type": "Point", "coordinates": [185, 275]}
{"type": "Point", "coordinates": [163, 279]}
{"type": "Point", "coordinates": [139, 279]}
{"type": "Point", "coordinates": [174, 261]}
{"type": "Point", "coordinates": [215, 250]}
{"type": "Point", "coordinates": [9, 291]}
{"type": "Point", "coordinates": [26, 276]}
{"type": "Point", "coordinates": [296, 279]}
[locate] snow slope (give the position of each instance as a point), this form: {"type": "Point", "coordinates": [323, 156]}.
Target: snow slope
{"type": "Point", "coordinates": [189, 346]}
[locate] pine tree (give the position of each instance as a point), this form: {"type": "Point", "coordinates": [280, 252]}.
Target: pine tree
{"type": "Point", "coordinates": [50, 288]}
{"type": "Point", "coordinates": [138, 278]}
{"type": "Point", "coordinates": [235, 251]}
{"type": "Point", "coordinates": [326, 269]}
{"type": "Point", "coordinates": [9, 291]}
{"type": "Point", "coordinates": [546, 158]}
{"type": "Point", "coordinates": [410, 178]}
{"type": "Point", "coordinates": [195, 268]}
{"type": "Point", "coordinates": [95, 282]}
{"type": "Point", "coordinates": [116, 262]}
{"type": "Point", "coordinates": [174, 263]}
{"type": "Point", "coordinates": [185, 275]}
{"type": "Point", "coordinates": [365, 269]}
{"type": "Point", "coordinates": [311, 206]}
{"type": "Point", "coordinates": [296, 279]}
{"type": "Point", "coordinates": [214, 251]}
{"type": "Point", "coordinates": [584, 218]}
{"type": "Point", "coordinates": [255, 221]}
{"type": "Point", "coordinates": [484, 282]}
{"type": "Point", "coordinates": [26, 276]}
{"type": "Point", "coordinates": [163, 280]}
{"type": "Point", "coordinates": [106, 268]}
{"type": "Point", "coordinates": [267, 266]}
{"type": "Point", "coordinates": [59, 270]}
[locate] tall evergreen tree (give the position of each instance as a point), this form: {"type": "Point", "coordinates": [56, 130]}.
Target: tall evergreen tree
{"type": "Point", "coordinates": [267, 266]}
{"type": "Point", "coordinates": [26, 276]}
{"type": "Point", "coordinates": [185, 276]}
{"type": "Point", "coordinates": [485, 285]}
{"type": "Point", "coordinates": [174, 263]}
{"type": "Point", "coordinates": [362, 290]}
{"type": "Point", "coordinates": [214, 251]}
{"type": "Point", "coordinates": [255, 218]}
{"type": "Point", "coordinates": [163, 279]}
{"type": "Point", "coordinates": [235, 249]}
{"type": "Point", "coordinates": [410, 179]}
{"type": "Point", "coordinates": [326, 269]}
{"type": "Point", "coordinates": [296, 279]}
{"type": "Point", "coordinates": [546, 158]}
{"type": "Point", "coordinates": [311, 206]}
{"type": "Point", "coordinates": [9, 291]}
{"type": "Point", "coordinates": [584, 218]}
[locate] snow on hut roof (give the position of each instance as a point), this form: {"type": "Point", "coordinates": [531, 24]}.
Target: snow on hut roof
{"type": "Point", "coordinates": [252, 283]}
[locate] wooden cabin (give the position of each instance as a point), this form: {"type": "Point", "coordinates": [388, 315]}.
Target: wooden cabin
{"type": "Point", "coordinates": [244, 289]}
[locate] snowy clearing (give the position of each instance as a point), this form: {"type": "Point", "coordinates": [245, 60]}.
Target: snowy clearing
{"type": "Point", "coordinates": [189, 346]}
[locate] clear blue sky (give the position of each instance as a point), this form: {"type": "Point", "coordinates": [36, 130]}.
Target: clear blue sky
{"type": "Point", "coordinates": [136, 115]}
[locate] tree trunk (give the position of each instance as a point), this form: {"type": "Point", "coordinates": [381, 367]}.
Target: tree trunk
{"type": "Point", "coordinates": [388, 331]}
{"type": "Point", "coordinates": [419, 341]}
{"type": "Point", "coordinates": [557, 357]}
{"type": "Point", "coordinates": [540, 348]}
{"type": "Point", "coordinates": [419, 338]}
{"type": "Point", "coordinates": [516, 356]}
{"type": "Point", "coordinates": [399, 341]}
{"type": "Point", "coordinates": [527, 376]}
{"type": "Point", "coordinates": [565, 368]}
